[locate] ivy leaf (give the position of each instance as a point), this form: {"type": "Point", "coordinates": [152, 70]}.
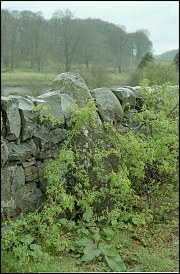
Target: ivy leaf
{"type": "Point", "coordinates": [27, 239]}
{"type": "Point", "coordinates": [115, 263]}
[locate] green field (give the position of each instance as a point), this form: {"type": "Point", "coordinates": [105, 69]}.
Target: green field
{"type": "Point", "coordinates": [38, 82]}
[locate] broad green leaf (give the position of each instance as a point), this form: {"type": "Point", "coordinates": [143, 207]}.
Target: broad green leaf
{"type": "Point", "coordinates": [63, 221]}
{"type": "Point", "coordinates": [97, 237]}
{"type": "Point", "coordinates": [27, 239]}
{"type": "Point", "coordinates": [108, 232]}
{"type": "Point", "coordinates": [84, 230]}
{"type": "Point", "coordinates": [71, 223]}
{"type": "Point", "coordinates": [90, 254]}
{"type": "Point", "coordinates": [87, 216]}
{"type": "Point", "coordinates": [35, 247]}
{"type": "Point", "coordinates": [108, 250]}
{"type": "Point", "coordinates": [89, 247]}
{"type": "Point", "coordinates": [116, 263]}
{"type": "Point", "coordinates": [72, 246]}
{"type": "Point", "coordinates": [37, 253]}
{"type": "Point", "coordinates": [83, 242]}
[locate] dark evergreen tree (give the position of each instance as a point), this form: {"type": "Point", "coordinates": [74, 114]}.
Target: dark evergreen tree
{"type": "Point", "coordinates": [145, 60]}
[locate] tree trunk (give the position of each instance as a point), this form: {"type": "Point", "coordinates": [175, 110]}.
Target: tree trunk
{"type": "Point", "coordinates": [12, 58]}
{"type": "Point", "coordinates": [87, 64]}
{"type": "Point", "coordinates": [119, 68]}
{"type": "Point", "coordinates": [38, 64]}
{"type": "Point", "coordinates": [67, 66]}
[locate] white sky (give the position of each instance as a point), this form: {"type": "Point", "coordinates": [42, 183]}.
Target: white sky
{"type": "Point", "coordinates": [160, 18]}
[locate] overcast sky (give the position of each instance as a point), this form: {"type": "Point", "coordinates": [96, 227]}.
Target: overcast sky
{"type": "Point", "coordinates": [160, 18]}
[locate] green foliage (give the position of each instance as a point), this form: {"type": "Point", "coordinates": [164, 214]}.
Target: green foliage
{"type": "Point", "coordinates": [43, 116]}
{"type": "Point", "coordinates": [96, 76]}
{"type": "Point", "coordinates": [94, 242]}
{"type": "Point", "coordinates": [155, 73]}
{"type": "Point", "coordinates": [102, 183]}
{"type": "Point", "coordinates": [176, 60]}
{"type": "Point", "coordinates": [145, 60]}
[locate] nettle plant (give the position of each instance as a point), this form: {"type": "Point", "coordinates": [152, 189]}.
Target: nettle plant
{"type": "Point", "coordinates": [88, 174]}
{"type": "Point", "coordinates": [151, 150]}
{"type": "Point", "coordinates": [102, 181]}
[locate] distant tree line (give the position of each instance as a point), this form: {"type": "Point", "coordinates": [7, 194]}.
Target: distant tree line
{"type": "Point", "coordinates": [28, 38]}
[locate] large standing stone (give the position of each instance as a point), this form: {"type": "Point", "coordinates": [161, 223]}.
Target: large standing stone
{"type": "Point", "coordinates": [73, 85]}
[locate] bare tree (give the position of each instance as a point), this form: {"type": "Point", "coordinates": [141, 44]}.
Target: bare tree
{"type": "Point", "coordinates": [67, 39]}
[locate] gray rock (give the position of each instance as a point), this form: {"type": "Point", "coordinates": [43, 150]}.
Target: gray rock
{"type": "Point", "coordinates": [6, 179]}
{"type": "Point", "coordinates": [13, 179]}
{"type": "Point", "coordinates": [29, 162]}
{"type": "Point", "coordinates": [53, 99]}
{"type": "Point", "coordinates": [4, 152]}
{"type": "Point", "coordinates": [66, 102]}
{"type": "Point", "coordinates": [18, 178]}
{"type": "Point", "coordinates": [8, 208]}
{"type": "Point", "coordinates": [109, 108]}
{"type": "Point", "coordinates": [57, 135]}
{"type": "Point", "coordinates": [12, 119]}
{"type": "Point", "coordinates": [20, 153]}
{"type": "Point", "coordinates": [28, 118]}
{"type": "Point", "coordinates": [73, 85]}
{"type": "Point", "coordinates": [27, 196]}
{"type": "Point", "coordinates": [125, 96]}
{"type": "Point", "coordinates": [31, 173]}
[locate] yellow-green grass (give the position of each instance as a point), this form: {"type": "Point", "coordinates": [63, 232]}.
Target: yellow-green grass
{"type": "Point", "coordinates": [22, 78]}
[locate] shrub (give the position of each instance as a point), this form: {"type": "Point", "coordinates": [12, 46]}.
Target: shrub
{"type": "Point", "coordinates": [176, 60]}
{"type": "Point", "coordinates": [146, 59]}
{"type": "Point", "coordinates": [155, 73]}
{"type": "Point", "coordinates": [96, 77]}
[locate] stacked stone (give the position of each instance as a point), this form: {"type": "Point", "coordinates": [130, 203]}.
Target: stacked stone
{"type": "Point", "coordinates": [27, 145]}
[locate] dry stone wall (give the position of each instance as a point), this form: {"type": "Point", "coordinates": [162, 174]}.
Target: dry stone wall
{"type": "Point", "coordinates": [27, 145]}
